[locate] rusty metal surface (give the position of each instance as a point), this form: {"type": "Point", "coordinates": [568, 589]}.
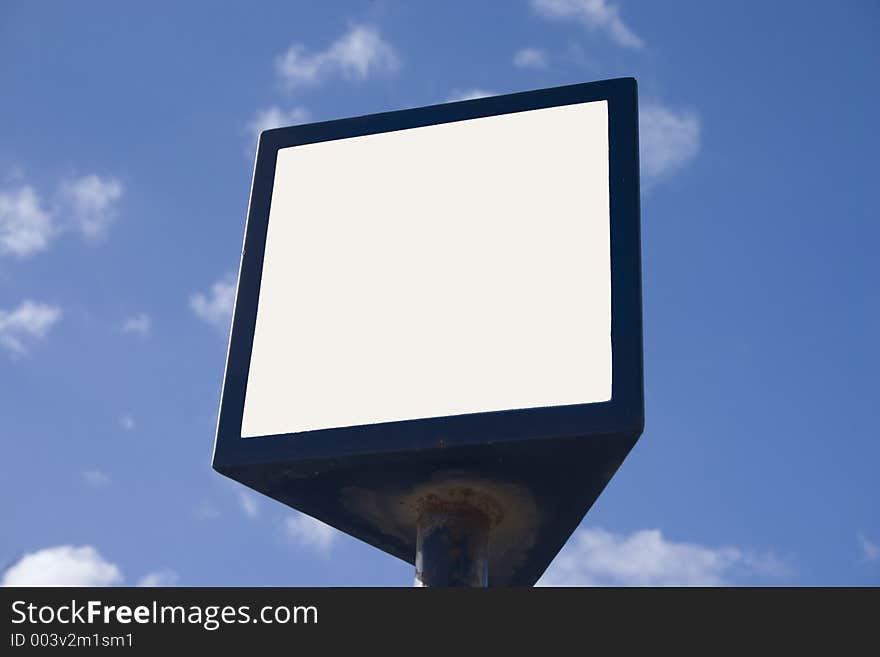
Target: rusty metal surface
{"type": "Point", "coordinates": [540, 493]}
{"type": "Point", "coordinates": [452, 544]}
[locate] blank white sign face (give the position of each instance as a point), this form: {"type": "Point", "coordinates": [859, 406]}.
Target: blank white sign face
{"type": "Point", "coordinates": [450, 269]}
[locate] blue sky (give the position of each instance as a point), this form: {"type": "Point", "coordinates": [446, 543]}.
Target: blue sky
{"type": "Point", "coordinates": [126, 150]}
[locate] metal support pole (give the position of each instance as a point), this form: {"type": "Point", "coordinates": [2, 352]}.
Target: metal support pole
{"type": "Point", "coordinates": [452, 547]}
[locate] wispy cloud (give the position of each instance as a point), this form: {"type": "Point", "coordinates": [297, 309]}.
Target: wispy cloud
{"type": "Point", "coordinates": [28, 223]}
{"type": "Point", "coordinates": [95, 479]}
{"type": "Point", "coordinates": [595, 557]}
{"type": "Point", "coordinates": [92, 203]}
{"type": "Point", "coordinates": [215, 306]}
{"type": "Point", "coordinates": [139, 324]}
{"type": "Point", "coordinates": [29, 322]}
{"type": "Point", "coordinates": [468, 94]}
{"type": "Point", "coordinates": [870, 549]}
{"type": "Point", "coordinates": [356, 55]}
{"type": "Point", "coordinates": [530, 58]}
{"type": "Point", "coordinates": [26, 226]}
{"type": "Point", "coordinates": [275, 117]}
{"type": "Point", "coordinates": [668, 138]}
{"type": "Point", "coordinates": [64, 565]}
{"type": "Point", "coordinates": [596, 15]}
{"type": "Point", "coordinates": [127, 422]}
{"type": "Point", "coordinates": [162, 577]}
{"type": "Point", "coordinates": [248, 504]}
{"type": "Point", "coordinates": [309, 533]}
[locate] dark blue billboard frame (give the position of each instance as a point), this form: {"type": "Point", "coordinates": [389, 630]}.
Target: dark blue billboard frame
{"type": "Point", "coordinates": [432, 444]}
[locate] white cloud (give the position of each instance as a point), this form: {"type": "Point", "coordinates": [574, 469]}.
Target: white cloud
{"type": "Point", "coordinates": [355, 56]}
{"type": "Point", "coordinates": [127, 422]}
{"type": "Point", "coordinates": [95, 479]}
{"type": "Point", "coordinates": [275, 117]}
{"type": "Point", "coordinates": [92, 200]}
{"type": "Point", "coordinates": [25, 226]}
{"type": "Point", "coordinates": [870, 550]}
{"type": "Point", "coordinates": [594, 14]}
{"type": "Point", "coordinates": [215, 307]}
{"type": "Point", "coordinates": [309, 533]}
{"type": "Point", "coordinates": [162, 577]}
{"type": "Point", "coordinates": [668, 139]}
{"type": "Point", "coordinates": [139, 324]}
{"type": "Point", "coordinates": [530, 58]}
{"type": "Point", "coordinates": [248, 504]}
{"type": "Point", "coordinates": [30, 321]}
{"type": "Point", "coordinates": [469, 94]}
{"type": "Point", "coordinates": [64, 565]}
{"type": "Point", "coordinates": [595, 557]}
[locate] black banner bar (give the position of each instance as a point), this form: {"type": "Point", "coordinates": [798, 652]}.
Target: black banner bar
{"type": "Point", "coordinates": [388, 621]}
